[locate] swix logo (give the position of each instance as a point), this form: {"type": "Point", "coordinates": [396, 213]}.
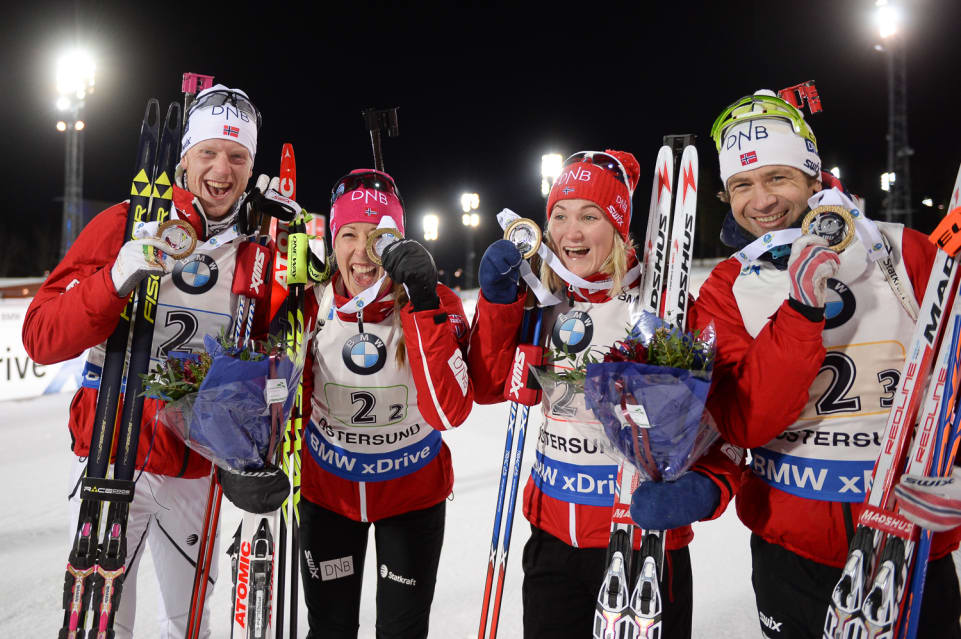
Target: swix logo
{"type": "Point", "coordinates": [286, 187]}
{"type": "Point", "coordinates": [769, 623]}
{"type": "Point", "coordinates": [243, 580]}
{"type": "Point", "coordinates": [928, 482]}
{"type": "Point", "coordinates": [517, 375]}
{"type": "Point", "coordinates": [257, 277]}
{"type": "Point", "coordinates": [614, 214]}
{"type": "Point", "coordinates": [931, 328]}
{"type": "Point", "coordinates": [579, 174]}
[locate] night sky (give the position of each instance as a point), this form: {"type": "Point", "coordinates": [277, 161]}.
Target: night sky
{"type": "Point", "coordinates": [482, 94]}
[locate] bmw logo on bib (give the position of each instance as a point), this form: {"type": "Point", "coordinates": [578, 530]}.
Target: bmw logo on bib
{"type": "Point", "coordinates": [573, 331]}
{"type": "Point", "coordinates": [364, 353]}
{"type": "Point", "coordinates": [839, 304]}
{"type": "Point", "coordinates": [196, 275]}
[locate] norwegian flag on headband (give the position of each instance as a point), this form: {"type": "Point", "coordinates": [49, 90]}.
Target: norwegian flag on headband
{"type": "Point", "coordinates": [232, 131]}
{"type": "Point", "coordinates": [748, 158]}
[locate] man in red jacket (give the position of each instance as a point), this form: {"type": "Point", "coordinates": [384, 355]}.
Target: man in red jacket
{"type": "Point", "coordinates": [78, 307]}
{"type": "Point", "coordinates": [810, 344]}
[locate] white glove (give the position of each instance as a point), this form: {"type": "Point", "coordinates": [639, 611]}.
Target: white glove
{"type": "Point", "coordinates": [810, 265]}
{"type": "Point", "coordinates": [139, 258]}
{"type": "Point", "coordinates": [930, 502]}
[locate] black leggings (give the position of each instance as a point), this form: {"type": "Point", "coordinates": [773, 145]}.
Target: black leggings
{"type": "Point", "coordinates": [561, 585]}
{"type": "Point", "coordinates": [332, 567]}
{"type": "Point", "coordinates": [793, 594]}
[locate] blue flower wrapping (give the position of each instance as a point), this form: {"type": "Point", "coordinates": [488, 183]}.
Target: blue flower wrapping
{"type": "Point", "coordinates": [228, 420]}
{"type": "Point", "coordinates": [666, 404]}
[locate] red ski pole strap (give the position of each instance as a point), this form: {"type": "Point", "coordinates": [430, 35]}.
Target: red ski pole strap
{"type": "Point", "coordinates": [521, 387]}
{"type": "Point", "coordinates": [250, 272]}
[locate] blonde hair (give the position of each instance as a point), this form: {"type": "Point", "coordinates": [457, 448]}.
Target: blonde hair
{"type": "Point", "coordinates": [400, 299]}
{"type": "Point", "coordinates": [615, 265]}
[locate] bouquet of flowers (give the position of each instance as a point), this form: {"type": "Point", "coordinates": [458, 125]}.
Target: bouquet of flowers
{"type": "Point", "coordinates": [648, 394]}
{"type": "Point", "coordinates": [230, 402]}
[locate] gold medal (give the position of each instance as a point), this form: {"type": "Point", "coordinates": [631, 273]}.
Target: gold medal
{"type": "Point", "coordinates": [378, 240]}
{"type": "Point", "coordinates": [525, 234]}
{"type": "Point", "coordinates": [834, 223]}
{"type": "Point", "coordinates": [178, 237]}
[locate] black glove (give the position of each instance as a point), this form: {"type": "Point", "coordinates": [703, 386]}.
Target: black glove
{"type": "Point", "coordinates": [255, 491]}
{"type": "Point", "coordinates": [408, 262]}
{"type": "Point", "coordinates": [265, 200]}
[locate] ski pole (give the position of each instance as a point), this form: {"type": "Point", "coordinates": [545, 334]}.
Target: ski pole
{"type": "Point", "coordinates": [499, 507]}
{"type": "Point", "coordinates": [204, 555]}
{"type": "Point", "coordinates": [515, 477]}
{"type": "Point", "coordinates": [945, 450]}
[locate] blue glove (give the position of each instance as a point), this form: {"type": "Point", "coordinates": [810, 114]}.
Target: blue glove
{"type": "Point", "coordinates": [499, 272]}
{"type": "Point", "coordinates": [672, 504]}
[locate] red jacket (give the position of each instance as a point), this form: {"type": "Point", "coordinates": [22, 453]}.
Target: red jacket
{"type": "Point", "coordinates": [434, 341]}
{"type": "Point", "coordinates": [760, 387]}
{"type": "Point", "coordinates": [77, 308]}
{"type": "Point", "coordinates": [493, 342]}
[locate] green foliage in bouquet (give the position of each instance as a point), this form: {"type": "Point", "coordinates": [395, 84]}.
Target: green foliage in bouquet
{"type": "Point", "coordinates": [182, 373]}
{"type": "Point", "coordinates": [678, 350]}
{"type": "Point", "coordinates": [669, 348]}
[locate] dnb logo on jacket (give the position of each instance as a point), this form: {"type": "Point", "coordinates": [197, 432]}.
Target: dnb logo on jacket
{"type": "Point", "coordinates": [364, 354]}
{"type": "Point", "coordinates": [195, 275]}
{"type": "Point", "coordinates": [839, 304]}
{"type": "Point", "coordinates": [572, 331]}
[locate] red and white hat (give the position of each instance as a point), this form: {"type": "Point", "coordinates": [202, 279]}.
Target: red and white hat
{"type": "Point", "coordinates": [365, 195]}
{"type": "Point", "coordinates": [606, 178]}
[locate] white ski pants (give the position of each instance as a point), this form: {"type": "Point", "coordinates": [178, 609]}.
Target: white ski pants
{"type": "Point", "coordinates": [167, 514]}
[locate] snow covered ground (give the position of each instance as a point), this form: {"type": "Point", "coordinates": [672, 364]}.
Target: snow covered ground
{"type": "Point", "coordinates": [34, 535]}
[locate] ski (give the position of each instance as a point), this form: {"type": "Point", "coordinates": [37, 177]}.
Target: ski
{"type": "Point", "coordinates": [260, 584]}
{"type": "Point", "coordinates": [498, 554]}
{"type": "Point", "coordinates": [658, 224]}
{"type": "Point", "coordinates": [292, 443]}
{"type": "Point", "coordinates": [82, 561]}
{"type": "Point", "coordinates": [623, 612]}
{"type": "Point", "coordinates": [95, 572]}
{"type": "Point", "coordinates": [868, 598]}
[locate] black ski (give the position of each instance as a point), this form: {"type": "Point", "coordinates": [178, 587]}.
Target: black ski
{"type": "Point", "coordinates": [94, 569]}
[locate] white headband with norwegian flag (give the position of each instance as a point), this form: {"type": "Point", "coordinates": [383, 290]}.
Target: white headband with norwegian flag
{"type": "Point", "coordinates": [766, 142]}
{"type": "Point", "coordinates": [219, 123]}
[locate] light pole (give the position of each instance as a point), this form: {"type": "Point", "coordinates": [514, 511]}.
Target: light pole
{"type": "Point", "coordinates": [75, 80]}
{"type": "Point", "coordinates": [470, 219]}
{"type": "Point", "coordinates": [551, 164]}
{"type": "Point", "coordinates": [898, 206]}
{"type": "Point", "coordinates": [431, 225]}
